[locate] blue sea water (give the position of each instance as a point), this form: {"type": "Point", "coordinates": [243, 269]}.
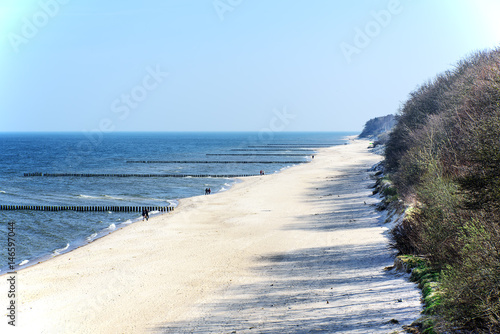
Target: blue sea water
{"type": "Point", "coordinates": [41, 235]}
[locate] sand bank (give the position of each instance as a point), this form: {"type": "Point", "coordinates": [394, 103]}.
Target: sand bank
{"type": "Point", "coordinates": [294, 252]}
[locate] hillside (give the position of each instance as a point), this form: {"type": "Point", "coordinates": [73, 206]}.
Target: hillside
{"type": "Point", "coordinates": [377, 126]}
{"type": "Point", "coordinates": [443, 157]}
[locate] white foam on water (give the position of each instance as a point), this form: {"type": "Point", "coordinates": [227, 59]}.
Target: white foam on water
{"type": "Point", "coordinates": [111, 197]}
{"type": "Point", "coordinates": [100, 197]}
{"type": "Point", "coordinates": [86, 196]}
{"type": "Point", "coordinates": [91, 237]}
{"type": "Point", "coordinates": [112, 227]}
{"type": "Point", "coordinates": [58, 251]}
{"type": "Point", "coordinates": [24, 262]}
{"type": "Point", "coordinates": [173, 202]}
{"type": "Point", "coordinates": [155, 199]}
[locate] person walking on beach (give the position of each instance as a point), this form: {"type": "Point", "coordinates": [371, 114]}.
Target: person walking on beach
{"type": "Point", "coordinates": [145, 214]}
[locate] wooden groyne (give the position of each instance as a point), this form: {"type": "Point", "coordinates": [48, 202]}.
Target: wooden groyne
{"type": "Point", "coordinates": [292, 146]}
{"type": "Point", "coordinates": [211, 162]}
{"type": "Point", "coordinates": [135, 175]}
{"type": "Point", "coordinates": [260, 154]}
{"type": "Point", "coordinates": [302, 144]}
{"type": "Point", "coordinates": [87, 208]}
{"type": "Point", "coordinates": [280, 149]}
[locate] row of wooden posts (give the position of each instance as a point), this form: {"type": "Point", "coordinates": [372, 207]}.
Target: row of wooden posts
{"type": "Point", "coordinates": [257, 154]}
{"type": "Point", "coordinates": [210, 162]}
{"type": "Point", "coordinates": [135, 175]}
{"type": "Point", "coordinates": [137, 208]}
{"type": "Point", "coordinates": [87, 208]}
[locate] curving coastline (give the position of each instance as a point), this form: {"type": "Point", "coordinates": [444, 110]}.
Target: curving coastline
{"type": "Point", "coordinates": [300, 246]}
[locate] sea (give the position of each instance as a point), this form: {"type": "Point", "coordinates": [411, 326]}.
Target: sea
{"type": "Point", "coordinates": [39, 235]}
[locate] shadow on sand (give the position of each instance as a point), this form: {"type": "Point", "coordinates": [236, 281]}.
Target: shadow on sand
{"type": "Point", "coordinates": [338, 289]}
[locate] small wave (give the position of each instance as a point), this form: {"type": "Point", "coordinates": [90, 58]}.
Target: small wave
{"type": "Point", "coordinates": [58, 251]}
{"type": "Point", "coordinates": [85, 196]}
{"type": "Point", "coordinates": [91, 237]}
{"type": "Point", "coordinates": [156, 199]}
{"type": "Point", "coordinates": [100, 197]}
{"type": "Point", "coordinates": [173, 202]}
{"type": "Point", "coordinates": [111, 197]}
{"type": "Point", "coordinates": [2, 192]}
{"type": "Point", "coordinates": [222, 189]}
{"type": "Point", "coordinates": [127, 222]}
{"type": "Point", "coordinates": [24, 262]}
{"type": "Point", "coordinates": [142, 198]}
{"type": "Point", "coordinates": [111, 227]}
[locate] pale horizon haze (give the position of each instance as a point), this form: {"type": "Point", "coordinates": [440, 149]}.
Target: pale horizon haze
{"type": "Point", "coordinates": [226, 65]}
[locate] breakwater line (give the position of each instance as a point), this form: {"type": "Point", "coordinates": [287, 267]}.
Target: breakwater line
{"type": "Point", "coordinates": [267, 149]}
{"type": "Point", "coordinates": [92, 208]}
{"type": "Point", "coordinates": [292, 145]}
{"type": "Point", "coordinates": [210, 162]}
{"type": "Point", "coordinates": [259, 154]}
{"type": "Point", "coordinates": [39, 174]}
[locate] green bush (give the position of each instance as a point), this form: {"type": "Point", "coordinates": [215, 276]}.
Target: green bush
{"type": "Point", "coordinates": [444, 158]}
{"type": "Point", "coordinates": [472, 285]}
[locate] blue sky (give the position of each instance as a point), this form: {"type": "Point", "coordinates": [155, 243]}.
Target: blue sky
{"type": "Point", "coordinates": [226, 65]}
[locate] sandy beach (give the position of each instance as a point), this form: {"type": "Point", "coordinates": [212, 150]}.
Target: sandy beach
{"type": "Point", "coordinates": [302, 251]}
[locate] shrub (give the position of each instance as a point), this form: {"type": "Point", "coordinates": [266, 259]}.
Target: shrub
{"type": "Point", "coordinates": [444, 155]}
{"type": "Point", "coordinates": [472, 285]}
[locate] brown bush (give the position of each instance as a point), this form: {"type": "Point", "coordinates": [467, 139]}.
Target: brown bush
{"type": "Point", "coordinates": [444, 155]}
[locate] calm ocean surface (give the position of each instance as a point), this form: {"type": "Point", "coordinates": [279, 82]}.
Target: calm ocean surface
{"type": "Point", "coordinates": [41, 235]}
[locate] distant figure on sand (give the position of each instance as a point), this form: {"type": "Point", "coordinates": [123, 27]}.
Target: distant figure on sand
{"type": "Point", "coordinates": [261, 172]}
{"type": "Point", "coordinates": [145, 214]}
{"type": "Point", "coordinates": [207, 191]}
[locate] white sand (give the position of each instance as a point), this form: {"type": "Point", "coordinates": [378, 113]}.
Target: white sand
{"type": "Point", "coordinates": [294, 252]}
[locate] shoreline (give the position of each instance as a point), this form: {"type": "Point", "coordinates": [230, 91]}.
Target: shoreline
{"type": "Point", "coordinates": [173, 269]}
{"type": "Point", "coordinates": [73, 245]}
{"type": "Point", "coordinates": [83, 242]}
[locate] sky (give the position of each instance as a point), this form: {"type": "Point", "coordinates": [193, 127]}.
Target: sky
{"type": "Point", "coordinates": [226, 65]}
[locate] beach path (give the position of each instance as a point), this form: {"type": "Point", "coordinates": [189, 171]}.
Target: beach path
{"type": "Point", "coordinates": [302, 251]}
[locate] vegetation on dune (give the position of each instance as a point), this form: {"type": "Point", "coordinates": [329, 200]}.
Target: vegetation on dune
{"type": "Point", "coordinates": [443, 157]}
